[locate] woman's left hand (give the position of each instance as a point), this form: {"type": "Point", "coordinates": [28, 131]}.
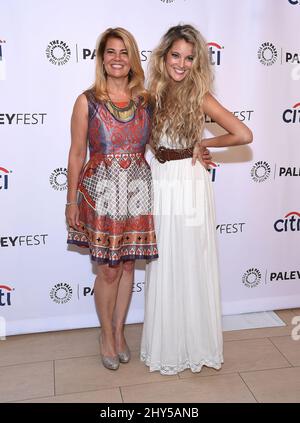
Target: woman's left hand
{"type": "Point", "coordinates": [202, 154]}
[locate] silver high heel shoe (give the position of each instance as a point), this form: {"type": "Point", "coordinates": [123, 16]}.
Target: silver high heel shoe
{"type": "Point", "coordinates": [111, 363]}
{"type": "Point", "coordinates": [124, 356]}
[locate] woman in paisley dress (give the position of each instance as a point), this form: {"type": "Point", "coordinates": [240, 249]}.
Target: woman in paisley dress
{"type": "Point", "coordinates": [109, 198]}
{"type": "Point", "coordinates": [182, 325]}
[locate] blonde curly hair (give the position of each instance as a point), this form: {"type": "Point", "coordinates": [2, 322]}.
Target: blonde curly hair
{"type": "Point", "coordinates": [177, 107]}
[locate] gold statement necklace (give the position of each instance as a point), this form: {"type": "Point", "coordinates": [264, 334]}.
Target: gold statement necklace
{"type": "Point", "coordinates": [123, 114]}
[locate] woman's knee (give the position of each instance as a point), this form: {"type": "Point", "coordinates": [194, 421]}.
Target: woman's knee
{"type": "Point", "coordinates": [128, 266]}
{"type": "Point", "coordinates": [110, 274]}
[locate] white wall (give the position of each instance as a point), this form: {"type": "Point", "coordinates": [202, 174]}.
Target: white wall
{"type": "Point", "coordinates": [259, 266]}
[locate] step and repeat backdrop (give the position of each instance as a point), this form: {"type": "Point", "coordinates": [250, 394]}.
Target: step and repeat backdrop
{"type": "Point", "coordinates": [47, 52]}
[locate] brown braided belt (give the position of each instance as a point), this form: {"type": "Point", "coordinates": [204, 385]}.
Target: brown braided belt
{"type": "Point", "coordinates": [164, 154]}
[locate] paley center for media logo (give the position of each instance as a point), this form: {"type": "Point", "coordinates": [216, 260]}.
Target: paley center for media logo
{"type": "Point", "coordinates": [289, 223]}
{"type": "Point", "coordinates": [261, 171]}
{"type": "Point", "coordinates": [4, 178]}
{"type": "Point", "coordinates": [268, 54]}
{"type": "Point", "coordinates": [58, 52]}
{"type": "Point", "coordinates": [252, 278]}
{"type": "Point", "coordinates": [58, 179]}
{"type": "Point", "coordinates": [5, 295]}
{"type": "Point", "coordinates": [2, 61]}
{"type": "Point", "coordinates": [294, 2]}
{"type": "Point", "coordinates": [61, 293]}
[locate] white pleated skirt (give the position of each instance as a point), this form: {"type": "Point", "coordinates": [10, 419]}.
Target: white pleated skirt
{"type": "Point", "coordinates": [182, 323]}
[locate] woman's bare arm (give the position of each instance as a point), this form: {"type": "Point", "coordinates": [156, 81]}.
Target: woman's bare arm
{"type": "Point", "coordinates": [238, 132]}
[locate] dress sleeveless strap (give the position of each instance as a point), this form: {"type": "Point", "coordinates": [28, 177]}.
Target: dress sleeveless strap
{"type": "Point", "coordinates": [93, 103]}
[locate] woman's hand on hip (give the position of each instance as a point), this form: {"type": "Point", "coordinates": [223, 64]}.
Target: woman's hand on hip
{"type": "Point", "coordinates": [202, 154]}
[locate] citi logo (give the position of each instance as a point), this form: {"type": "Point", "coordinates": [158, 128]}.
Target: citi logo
{"type": "Point", "coordinates": [214, 53]}
{"type": "Point", "coordinates": [1, 54]}
{"type": "Point", "coordinates": [213, 170]}
{"type": "Point", "coordinates": [4, 174]}
{"type": "Point", "coordinates": [5, 295]}
{"type": "Point", "coordinates": [290, 222]}
{"type": "Point", "coordinates": [292, 115]}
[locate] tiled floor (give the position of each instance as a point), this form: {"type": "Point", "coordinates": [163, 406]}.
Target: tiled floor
{"type": "Point", "coordinates": [261, 365]}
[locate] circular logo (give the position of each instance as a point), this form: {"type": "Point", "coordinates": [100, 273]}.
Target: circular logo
{"type": "Point", "coordinates": [58, 52]}
{"type": "Point", "coordinates": [260, 171]}
{"type": "Point", "coordinates": [58, 179]}
{"type": "Point", "coordinates": [267, 54]}
{"type": "Point", "coordinates": [61, 293]}
{"type": "Point", "coordinates": [251, 278]}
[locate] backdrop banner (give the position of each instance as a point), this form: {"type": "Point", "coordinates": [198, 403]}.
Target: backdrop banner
{"type": "Point", "coordinates": [47, 58]}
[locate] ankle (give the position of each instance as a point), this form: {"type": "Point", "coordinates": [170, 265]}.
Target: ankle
{"type": "Point", "coordinates": [107, 344]}
{"type": "Point", "coordinates": [107, 334]}
{"type": "Point", "coordinates": [119, 329]}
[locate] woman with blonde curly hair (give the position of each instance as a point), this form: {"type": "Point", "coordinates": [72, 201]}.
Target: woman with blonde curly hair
{"type": "Point", "coordinates": [182, 325]}
{"type": "Point", "coordinates": [109, 198]}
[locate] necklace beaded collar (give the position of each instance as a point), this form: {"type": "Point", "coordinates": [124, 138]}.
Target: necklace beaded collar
{"type": "Point", "coordinates": [123, 113]}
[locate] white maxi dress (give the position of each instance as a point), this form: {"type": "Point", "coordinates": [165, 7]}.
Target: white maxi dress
{"type": "Point", "coordinates": [182, 324]}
